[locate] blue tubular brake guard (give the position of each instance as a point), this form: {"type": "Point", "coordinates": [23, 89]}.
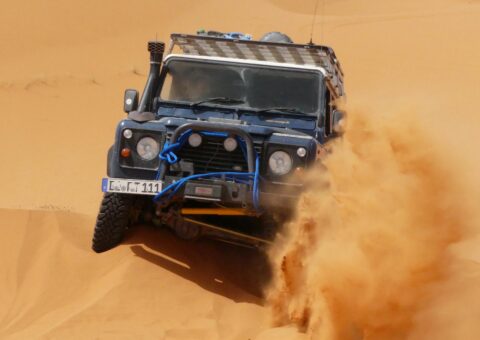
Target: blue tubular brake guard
{"type": "Point", "coordinates": [214, 134]}
{"type": "Point", "coordinates": [168, 155]}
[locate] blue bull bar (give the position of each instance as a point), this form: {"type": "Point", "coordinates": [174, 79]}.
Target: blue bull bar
{"type": "Point", "coordinates": [168, 156]}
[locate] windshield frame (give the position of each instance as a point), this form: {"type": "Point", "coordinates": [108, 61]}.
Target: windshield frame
{"type": "Point", "coordinates": [241, 62]}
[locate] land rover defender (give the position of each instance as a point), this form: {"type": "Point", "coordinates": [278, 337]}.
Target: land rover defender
{"type": "Point", "coordinates": [218, 142]}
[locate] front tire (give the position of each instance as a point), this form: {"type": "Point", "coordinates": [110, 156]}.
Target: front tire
{"type": "Point", "coordinates": [112, 221]}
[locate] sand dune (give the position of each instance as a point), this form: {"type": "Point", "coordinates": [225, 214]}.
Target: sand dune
{"type": "Point", "coordinates": [153, 286]}
{"type": "Point", "coordinates": [63, 71]}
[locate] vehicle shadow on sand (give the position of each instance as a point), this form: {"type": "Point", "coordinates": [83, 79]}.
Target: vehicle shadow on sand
{"type": "Point", "coordinates": [235, 272]}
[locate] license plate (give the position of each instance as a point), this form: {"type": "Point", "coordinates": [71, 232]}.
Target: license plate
{"type": "Point", "coordinates": [131, 186]}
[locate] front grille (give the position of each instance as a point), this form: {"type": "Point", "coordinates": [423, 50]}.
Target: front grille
{"type": "Point", "coordinates": [211, 156]}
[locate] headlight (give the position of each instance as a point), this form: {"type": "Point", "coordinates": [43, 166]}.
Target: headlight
{"type": "Point", "coordinates": [280, 163]}
{"type": "Point", "coordinates": [148, 148]}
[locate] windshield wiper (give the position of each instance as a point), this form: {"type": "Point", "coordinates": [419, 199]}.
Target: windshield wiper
{"type": "Point", "coordinates": [220, 100]}
{"type": "Point", "coordinates": [289, 110]}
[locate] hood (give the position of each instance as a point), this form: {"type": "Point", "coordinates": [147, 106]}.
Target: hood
{"type": "Point", "coordinates": [254, 130]}
{"type": "Point", "coordinates": [305, 125]}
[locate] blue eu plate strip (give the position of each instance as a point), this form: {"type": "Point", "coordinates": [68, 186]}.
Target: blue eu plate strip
{"type": "Point", "coordinates": [104, 184]}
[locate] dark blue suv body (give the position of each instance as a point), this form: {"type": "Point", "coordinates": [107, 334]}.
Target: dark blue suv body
{"type": "Point", "coordinates": [218, 143]}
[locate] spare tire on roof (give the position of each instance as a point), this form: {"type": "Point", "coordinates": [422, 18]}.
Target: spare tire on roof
{"type": "Point", "coordinates": [278, 37]}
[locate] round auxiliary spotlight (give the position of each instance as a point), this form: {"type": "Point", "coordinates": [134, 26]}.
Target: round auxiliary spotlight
{"type": "Point", "coordinates": [230, 144]}
{"type": "Point", "coordinates": [195, 140]}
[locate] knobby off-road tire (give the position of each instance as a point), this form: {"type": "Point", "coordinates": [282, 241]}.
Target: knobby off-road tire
{"type": "Point", "coordinates": [112, 221]}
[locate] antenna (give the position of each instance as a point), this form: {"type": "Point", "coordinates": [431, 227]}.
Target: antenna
{"type": "Point", "coordinates": [322, 13]}
{"type": "Point", "coordinates": [313, 21]}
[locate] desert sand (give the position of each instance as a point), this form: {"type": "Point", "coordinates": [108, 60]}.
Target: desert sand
{"type": "Point", "coordinates": [64, 67]}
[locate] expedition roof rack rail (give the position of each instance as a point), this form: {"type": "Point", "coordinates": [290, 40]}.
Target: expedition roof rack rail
{"type": "Point", "coordinates": [298, 54]}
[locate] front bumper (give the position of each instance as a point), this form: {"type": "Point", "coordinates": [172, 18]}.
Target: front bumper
{"type": "Point", "coordinates": [226, 193]}
{"type": "Point", "coordinates": [232, 186]}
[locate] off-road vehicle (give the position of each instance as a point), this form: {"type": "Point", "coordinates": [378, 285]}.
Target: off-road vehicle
{"type": "Point", "coordinates": [218, 143]}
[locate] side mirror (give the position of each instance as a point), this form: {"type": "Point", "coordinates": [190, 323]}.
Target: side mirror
{"type": "Point", "coordinates": [130, 100]}
{"type": "Point", "coordinates": [338, 122]}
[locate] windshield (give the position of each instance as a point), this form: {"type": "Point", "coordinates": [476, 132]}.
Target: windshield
{"type": "Point", "coordinates": [252, 86]}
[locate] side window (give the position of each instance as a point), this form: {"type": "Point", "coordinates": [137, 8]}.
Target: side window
{"type": "Point", "coordinates": [166, 92]}
{"type": "Point", "coordinates": [329, 102]}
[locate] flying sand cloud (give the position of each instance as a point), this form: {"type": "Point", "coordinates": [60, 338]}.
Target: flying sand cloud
{"type": "Point", "coordinates": [369, 255]}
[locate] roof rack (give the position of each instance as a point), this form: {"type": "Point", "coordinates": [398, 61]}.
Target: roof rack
{"type": "Point", "coordinates": [310, 54]}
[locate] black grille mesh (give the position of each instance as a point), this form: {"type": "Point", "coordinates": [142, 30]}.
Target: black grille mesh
{"type": "Point", "coordinates": [211, 156]}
